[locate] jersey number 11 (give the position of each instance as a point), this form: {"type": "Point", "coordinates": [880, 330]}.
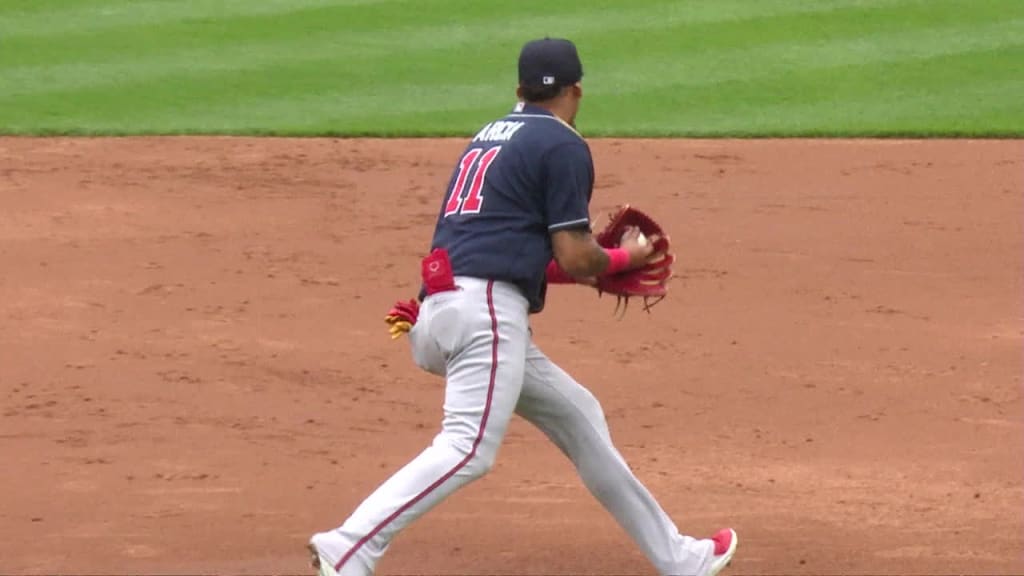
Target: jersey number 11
{"type": "Point", "coordinates": [475, 161]}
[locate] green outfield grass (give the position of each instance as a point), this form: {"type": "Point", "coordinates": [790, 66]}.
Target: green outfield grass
{"type": "Point", "coordinates": [442, 67]}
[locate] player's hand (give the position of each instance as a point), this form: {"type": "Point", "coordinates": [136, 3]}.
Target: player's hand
{"type": "Point", "coordinates": [639, 253]}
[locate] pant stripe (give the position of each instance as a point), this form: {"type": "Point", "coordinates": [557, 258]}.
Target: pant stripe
{"type": "Point", "coordinates": [464, 461]}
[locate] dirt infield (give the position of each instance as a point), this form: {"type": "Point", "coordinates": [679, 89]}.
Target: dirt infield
{"type": "Point", "coordinates": [195, 373]}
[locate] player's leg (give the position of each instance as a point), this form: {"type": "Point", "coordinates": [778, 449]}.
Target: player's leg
{"type": "Point", "coordinates": [482, 331]}
{"type": "Point", "coordinates": [573, 419]}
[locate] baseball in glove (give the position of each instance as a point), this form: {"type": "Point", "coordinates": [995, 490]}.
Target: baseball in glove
{"type": "Point", "coordinates": [650, 281]}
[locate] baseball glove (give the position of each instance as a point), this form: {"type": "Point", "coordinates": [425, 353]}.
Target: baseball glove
{"type": "Point", "coordinates": [649, 282]}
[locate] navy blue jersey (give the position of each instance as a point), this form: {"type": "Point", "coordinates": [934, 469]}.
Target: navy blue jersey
{"type": "Point", "coordinates": [520, 179]}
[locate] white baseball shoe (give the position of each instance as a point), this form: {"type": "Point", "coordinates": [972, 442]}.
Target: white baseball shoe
{"type": "Point", "coordinates": [725, 546]}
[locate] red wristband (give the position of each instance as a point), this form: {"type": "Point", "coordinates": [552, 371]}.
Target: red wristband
{"type": "Point", "coordinates": [618, 260]}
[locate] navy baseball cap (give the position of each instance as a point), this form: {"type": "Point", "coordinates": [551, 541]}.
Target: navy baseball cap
{"type": "Point", "coordinates": [549, 62]}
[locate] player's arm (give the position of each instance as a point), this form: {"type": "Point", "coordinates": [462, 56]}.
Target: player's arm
{"type": "Point", "coordinates": [580, 256]}
{"type": "Point", "coordinates": [570, 182]}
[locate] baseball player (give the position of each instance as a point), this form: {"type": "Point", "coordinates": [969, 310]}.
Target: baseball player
{"type": "Point", "coordinates": [515, 218]}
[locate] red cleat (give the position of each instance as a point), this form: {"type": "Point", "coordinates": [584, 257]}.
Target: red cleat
{"type": "Point", "coordinates": [725, 546]}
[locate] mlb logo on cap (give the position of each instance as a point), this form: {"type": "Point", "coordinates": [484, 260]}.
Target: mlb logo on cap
{"type": "Point", "coordinates": [549, 62]}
